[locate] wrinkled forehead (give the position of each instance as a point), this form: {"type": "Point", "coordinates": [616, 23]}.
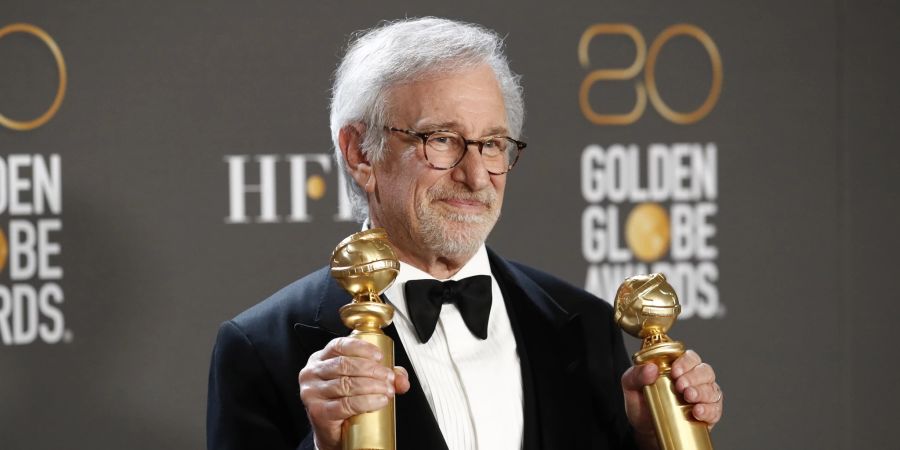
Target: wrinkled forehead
{"type": "Point", "coordinates": [467, 98]}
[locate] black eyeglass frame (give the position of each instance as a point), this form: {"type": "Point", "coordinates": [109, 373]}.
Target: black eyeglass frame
{"type": "Point", "coordinates": [424, 137]}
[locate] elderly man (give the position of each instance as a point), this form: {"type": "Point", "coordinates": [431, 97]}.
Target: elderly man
{"type": "Point", "coordinates": [425, 118]}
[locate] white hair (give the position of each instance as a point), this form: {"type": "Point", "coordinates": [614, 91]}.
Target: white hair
{"type": "Point", "coordinates": [403, 51]}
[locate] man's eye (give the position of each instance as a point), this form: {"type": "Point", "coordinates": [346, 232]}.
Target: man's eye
{"type": "Point", "coordinates": [495, 145]}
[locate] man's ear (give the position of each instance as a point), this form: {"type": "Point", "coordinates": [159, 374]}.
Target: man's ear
{"type": "Point", "coordinates": [350, 141]}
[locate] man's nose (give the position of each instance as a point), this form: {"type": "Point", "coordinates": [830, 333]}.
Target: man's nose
{"type": "Point", "coordinates": [471, 170]}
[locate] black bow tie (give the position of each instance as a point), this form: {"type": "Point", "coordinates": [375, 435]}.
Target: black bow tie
{"type": "Point", "coordinates": [424, 299]}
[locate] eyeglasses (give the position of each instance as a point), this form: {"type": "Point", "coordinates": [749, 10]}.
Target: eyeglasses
{"type": "Point", "coordinates": [445, 149]}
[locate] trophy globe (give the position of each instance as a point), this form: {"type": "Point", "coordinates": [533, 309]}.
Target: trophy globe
{"type": "Point", "coordinates": [646, 305]}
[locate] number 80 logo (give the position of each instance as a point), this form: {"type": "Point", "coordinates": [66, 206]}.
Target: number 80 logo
{"type": "Point", "coordinates": [25, 125]}
{"type": "Point", "coordinates": [647, 61]}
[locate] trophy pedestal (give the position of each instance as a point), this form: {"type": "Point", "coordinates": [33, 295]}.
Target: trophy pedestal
{"type": "Point", "coordinates": [676, 427]}
{"type": "Point", "coordinates": [372, 430]}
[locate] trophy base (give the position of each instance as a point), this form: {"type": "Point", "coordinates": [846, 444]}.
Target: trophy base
{"type": "Point", "coordinates": [372, 430]}
{"type": "Point", "coordinates": [676, 427]}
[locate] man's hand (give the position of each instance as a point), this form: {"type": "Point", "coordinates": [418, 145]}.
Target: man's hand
{"type": "Point", "coordinates": [342, 380]}
{"type": "Point", "coordinates": [694, 379]}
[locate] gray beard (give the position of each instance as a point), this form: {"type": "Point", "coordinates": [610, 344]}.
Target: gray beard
{"type": "Point", "coordinates": [443, 234]}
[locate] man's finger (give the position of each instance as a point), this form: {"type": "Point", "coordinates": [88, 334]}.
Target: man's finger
{"type": "Point", "coordinates": [346, 346]}
{"type": "Point", "coordinates": [636, 377]}
{"type": "Point", "coordinates": [704, 393]}
{"type": "Point", "coordinates": [401, 382]}
{"type": "Point", "coordinates": [685, 362]}
{"type": "Point", "coordinates": [701, 374]}
{"type": "Point", "coordinates": [346, 407]}
{"type": "Point", "coordinates": [345, 386]}
{"type": "Point", "coordinates": [708, 412]}
{"type": "Point", "coordinates": [351, 366]}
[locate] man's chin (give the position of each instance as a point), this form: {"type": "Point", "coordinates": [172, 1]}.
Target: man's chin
{"type": "Point", "coordinates": [457, 237]}
{"type": "Point", "coordinates": [468, 218]}
{"type": "Point", "coordinates": [455, 249]}
{"type": "Point", "coordinates": [455, 232]}
{"type": "Point", "coordinates": [466, 223]}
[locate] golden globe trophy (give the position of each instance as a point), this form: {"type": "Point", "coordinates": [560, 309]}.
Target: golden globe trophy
{"type": "Point", "coordinates": [365, 265]}
{"type": "Point", "coordinates": [646, 307]}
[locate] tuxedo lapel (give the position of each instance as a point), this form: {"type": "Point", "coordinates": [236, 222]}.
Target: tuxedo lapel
{"type": "Point", "coordinates": [416, 425]}
{"type": "Point", "coordinates": [322, 323]}
{"type": "Point", "coordinates": [549, 353]}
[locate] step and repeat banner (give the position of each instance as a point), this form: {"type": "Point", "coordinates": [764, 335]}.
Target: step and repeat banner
{"type": "Point", "coordinates": [165, 165]}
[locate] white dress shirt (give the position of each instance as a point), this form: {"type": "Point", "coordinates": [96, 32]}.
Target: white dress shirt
{"type": "Point", "coordinates": [474, 386]}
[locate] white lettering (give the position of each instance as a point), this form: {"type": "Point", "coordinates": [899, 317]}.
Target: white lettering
{"type": "Point", "coordinates": [591, 173]}
{"type": "Point", "coordinates": [3, 185]}
{"type": "Point", "coordinates": [616, 188]}
{"type": "Point", "coordinates": [679, 172]}
{"type": "Point", "coordinates": [601, 236]}
{"type": "Point", "coordinates": [48, 248]}
{"type": "Point", "coordinates": [49, 299]}
{"type": "Point", "coordinates": [47, 184]}
{"type": "Point", "coordinates": [237, 189]}
{"type": "Point", "coordinates": [691, 230]}
{"type": "Point", "coordinates": [298, 164]}
{"type": "Point", "coordinates": [658, 182]}
{"type": "Point", "coordinates": [705, 170]}
{"type": "Point", "coordinates": [22, 249]}
{"type": "Point", "coordinates": [705, 230]}
{"type": "Point", "coordinates": [707, 293]}
{"type": "Point", "coordinates": [22, 309]}
{"type": "Point", "coordinates": [18, 184]}
{"type": "Point", "coordinates": [5, 315]}
{"type": "Point", "coordinates": [593, 244]}
{"type": "Point", "coordinates": [25, 314]}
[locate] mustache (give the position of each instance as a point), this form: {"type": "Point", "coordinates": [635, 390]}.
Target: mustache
{"type": "Point", "coordinates": [486, 197]}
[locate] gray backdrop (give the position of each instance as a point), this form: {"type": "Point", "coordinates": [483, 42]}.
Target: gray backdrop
{"type": "Point", "coordinates": [161, 95]}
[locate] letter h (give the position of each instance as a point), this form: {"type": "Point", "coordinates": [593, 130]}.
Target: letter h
{"type": "Point", "coordinates": [238, 189]}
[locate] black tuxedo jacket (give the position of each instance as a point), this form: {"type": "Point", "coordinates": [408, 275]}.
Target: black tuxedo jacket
{"type": "Point", "coordinates": [571, 355]}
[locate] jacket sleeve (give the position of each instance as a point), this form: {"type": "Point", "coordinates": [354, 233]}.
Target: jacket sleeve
{"type": "Point", "coordinates": [244, 410]}
{"type": "Point", "coordinates": [621, 363]}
